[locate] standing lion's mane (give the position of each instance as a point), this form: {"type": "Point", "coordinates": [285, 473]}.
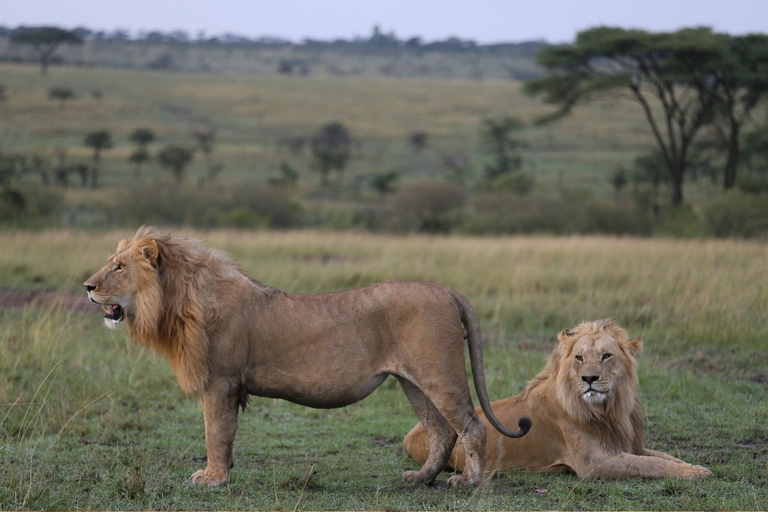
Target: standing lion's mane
{"type": "Point", "coordinates": [177, 299]}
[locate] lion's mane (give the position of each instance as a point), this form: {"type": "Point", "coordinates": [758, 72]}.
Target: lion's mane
{"type": "Point", "coordinates": [179, 284]}
{"type": "Point", "coordinates": [618, 421]}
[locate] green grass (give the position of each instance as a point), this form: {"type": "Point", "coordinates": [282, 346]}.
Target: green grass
{"type": "Point", "coordinates": [89, 421]}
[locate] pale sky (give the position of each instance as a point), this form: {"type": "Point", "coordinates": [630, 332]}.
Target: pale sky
{"type": "Point", "coordinates": [484, 21]}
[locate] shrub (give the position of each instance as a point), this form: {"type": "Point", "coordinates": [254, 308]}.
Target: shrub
{"type": "Point", "coordinates": [738, 215]}
{"type": "Point", "coordinates": [268, 202]}
{"type": "Point", "coordinates": [517, 182]}
{"type": "Point", "coordinates": [429, 206]}
{"type": "Point", "coordinates": [61, 94]}
{"type": "Point", "coordinates": [753, 183]}
{"type": "Point", "coordinates": [507, 214]}
{"type": "Point", "coordinates": [248, 206]}
{"type": "Point", "coordinates": [29, 206]}
{"type": "Point", "coordinates": [615, 219]}
{"type": "Point", "coordinates": [242, 218]}
{"type": "Point", "coordinates": [681, 222]}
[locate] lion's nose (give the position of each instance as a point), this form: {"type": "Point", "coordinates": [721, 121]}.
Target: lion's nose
{"type": "Point", "coordinates": [89, 287]}
{"type": "Point", "coordinates": [589, 379]}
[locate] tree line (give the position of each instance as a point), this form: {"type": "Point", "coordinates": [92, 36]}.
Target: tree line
{"type": "Point", "coordinates": [378, 39]}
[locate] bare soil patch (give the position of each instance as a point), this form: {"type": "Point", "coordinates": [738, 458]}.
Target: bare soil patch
{"type": "Point", "coordinates": [16, 299]}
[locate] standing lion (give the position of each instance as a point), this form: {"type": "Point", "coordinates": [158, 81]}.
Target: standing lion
{"type": "Point", "coordinates": [228, 336]}
{"type": "Point", "coordinates": [587, 415]}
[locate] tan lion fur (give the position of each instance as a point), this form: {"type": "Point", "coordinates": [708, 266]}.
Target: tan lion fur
{"type": "Point", "coordinates": [227, 335]}
{"type": "Point", "coordinates": [593, 433]}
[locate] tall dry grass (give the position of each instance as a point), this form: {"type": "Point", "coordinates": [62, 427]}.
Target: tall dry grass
{"type": "Point", "coordinates": [90, 421]}
{"type": "Point", "coordinates": [702, 291]}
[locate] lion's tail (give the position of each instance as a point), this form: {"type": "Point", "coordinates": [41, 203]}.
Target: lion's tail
{"type": "Point", "coordinates": [469, 319]}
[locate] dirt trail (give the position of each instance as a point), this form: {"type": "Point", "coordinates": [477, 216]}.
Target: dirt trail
{"type": "Point", "coordinates": [14, 299]}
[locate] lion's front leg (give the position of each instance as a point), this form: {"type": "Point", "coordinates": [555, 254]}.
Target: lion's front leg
{"type": "Point", "coordinates": [661, 455]}
{"type": "Point", "coordinates": [219, 403]}
{"type": "Point", "coordinates": [626, 465]}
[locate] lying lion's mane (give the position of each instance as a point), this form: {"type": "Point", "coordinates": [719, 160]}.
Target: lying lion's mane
{"type": "Point", "coordinates": [619, 421]}
{"type": "Point", "coordinates": [178, 301]}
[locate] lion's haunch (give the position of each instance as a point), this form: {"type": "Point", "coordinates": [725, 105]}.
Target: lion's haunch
{"type": "Point", "coordinates": [227, 335]}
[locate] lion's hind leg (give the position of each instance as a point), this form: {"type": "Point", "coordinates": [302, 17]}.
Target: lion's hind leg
{"type": "Point", "coordinates": [442, 437]}
{"type": "Point", "coordinates": [455, 406]}
{"type": "Point", "coordinates": [472, 440]}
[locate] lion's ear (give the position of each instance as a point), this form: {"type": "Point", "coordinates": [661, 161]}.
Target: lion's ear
{"type": "Point", "coordinates": [149, 250]}
{"type": "Point", "coordinates": [123, 244]}
{"type": "Point", "coordinates": [565, 334]}
{"type": "Point", "coordinates": [635, 346]}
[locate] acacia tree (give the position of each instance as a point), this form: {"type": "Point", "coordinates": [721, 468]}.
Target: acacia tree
{"type": "Point", "coordinates": [672, 70]}
{"type": "Point", "coordinates": [45, 41]}
{"type": "Point", "coordinates": [176, 159]}
{"type": "Point", "coordinates": [497, 136]}
{"type": "Point", "coordinates": [142, 137]}
{"type": "Point", "coordinates": [99, 141]}
{"type": "Point", "coordinates": [418, 141]}
{"type": "Point", "coordinates": [331, 150]}
{"type": "Point", "coordinates": [61, 94]}
{"type": "Point", "coordinates": [205, 137]}
{"type": "Point", "coordinates": [743, 80]}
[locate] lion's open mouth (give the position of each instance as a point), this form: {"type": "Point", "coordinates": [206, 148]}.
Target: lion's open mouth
{"type": "Point", "coordinates": [113, 312]}
{"type": "Point", "coordinates": [593, 396]}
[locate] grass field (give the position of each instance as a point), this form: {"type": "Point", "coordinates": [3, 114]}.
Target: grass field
{"type": "Point", "coordinates": [571, 162]}
{"type": "Point", "coordinates": [252, 112]}
{"type": "Point", "coordinates": [90, 421]}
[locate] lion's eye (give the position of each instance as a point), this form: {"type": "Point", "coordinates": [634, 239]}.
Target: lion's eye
{"type": "Point", "coordinates": [580, 359]}
{"type": "Point", "coordinates": [118, 268]}
{"type": "Point", "coordinates": [606, 356]}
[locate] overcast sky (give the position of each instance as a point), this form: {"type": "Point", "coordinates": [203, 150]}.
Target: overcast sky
{"type": "Point", "coordinates": [484, 21]}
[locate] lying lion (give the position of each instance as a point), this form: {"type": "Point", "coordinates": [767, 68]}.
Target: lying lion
{"type": "Point", "coordinates": [586, 414]}
{"type": "Point", "coordinates": [228, 336]}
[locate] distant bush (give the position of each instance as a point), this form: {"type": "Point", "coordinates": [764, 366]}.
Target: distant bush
{"type": "Point", "coordinates": [429, 207]}
{"type": "Point", "coordinates": [506, 214]}
{"type": "Point", "coordinates": [611, 218]}
{"type": "Point", "coordinates": [268, 202]}
{"type": "Point", "coordinates": [517, 182]}
{"type": "Point", "coordinates": [162, 62]}
{"type": "Point", "coordinates": [738, 215]}
{"type": "Point", "coordinates": [30, 206]}
{"type": "Point", "coordinates": [61, 94]}
{"type": "Point", "coordinates": [753, 183]}
{"type": "Point", "coordinates": [13, 206]}
{"type": "Point", "coordinates": [681, 222]}
{"type": "Point", "coordinates": [249, 206]}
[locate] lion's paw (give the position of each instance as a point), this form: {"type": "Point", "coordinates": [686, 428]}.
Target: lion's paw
{"type": "Point", "coordinates": [699, 472]}
{"type": "Point", "coordinates": [418, 477]}
{"type": "Point", "coordinates": [201, 477]}
{"type": "Point", "coordinates": [462, 479]}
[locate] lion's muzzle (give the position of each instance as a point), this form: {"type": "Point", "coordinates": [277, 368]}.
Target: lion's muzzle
{"type": "Point", "coordinates": [113, 313]}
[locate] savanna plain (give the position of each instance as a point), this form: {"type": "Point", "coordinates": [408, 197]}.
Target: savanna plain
{"type": "Point", "coordinates": [88, 420]}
